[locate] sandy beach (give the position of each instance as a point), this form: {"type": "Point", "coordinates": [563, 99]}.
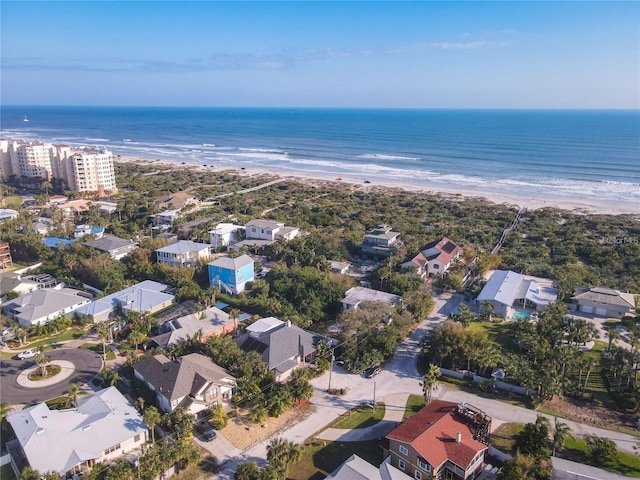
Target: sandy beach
{"type": "Point", "coordinates": [577, 206]}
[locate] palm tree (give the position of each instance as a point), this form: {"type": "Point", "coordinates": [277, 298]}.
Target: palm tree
{"type": "Point", "coordinates": [72, 395]}
{"type": "Point", "coordinates": [136, 337]}
{"type": "Point", "coordinates": [234, 314]}
{"type": "Point", "coordinates": [43, 361]}
{"type": "Point", "coordinates": [19, 332]}
{"type": "Point", "coordinates": [612, 334]}
{"type": "Point", "coordinates": [103, 330]}
{"type": "Point", "coordinates": [5, 409]}
{"type": "Point", "coordinates": [281, 453]}
{"type": "Point", "coordinates": [430, 382]}
{"type": "Point", "coordinates": [561, 433]}
{"type": "Point", "coordinates": [152, 417]}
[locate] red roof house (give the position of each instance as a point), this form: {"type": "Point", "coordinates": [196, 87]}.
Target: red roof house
{"type": "Point", "coordinates": [443, 439]}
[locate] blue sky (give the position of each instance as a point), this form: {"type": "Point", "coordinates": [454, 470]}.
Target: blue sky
{"type": "Point", "coordinates": [322, 54]}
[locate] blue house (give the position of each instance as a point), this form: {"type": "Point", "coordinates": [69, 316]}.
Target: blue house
{"type": "Point", "coordinates": [229, 275]}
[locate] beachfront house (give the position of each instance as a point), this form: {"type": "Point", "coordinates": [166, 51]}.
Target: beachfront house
{"type": "Point", "coordinates": [604, 302]}
{"type": "Point", "coordinates": [380, 242]}
{"type": "Point", "coordinates": [183, 253]}
{"type": "Point", "coordinates": [225, 234]}
{"type": "Point", "coordinates": [434, 259]}
{"type": "Point", "coordinates": [512, 294]}
{"type": "Point", "coordinates": [193, 382]}
{"type": "Point", "coordinates": [230, 275]}
{"type": "Point", "coordinates": [144, 297]}
{"type": "Point", "coordinates": [101, 428]}
{"type": "Point", "coordinates": [356, 295]}
{"type": "Point", "coordinates": [269, 230]}
{"type": "Point", "coordinates": [284, 347]}
{"type": "Point", "coordinates": [44, 304]}
{"type": "Point", "coordinates": [443, 440]}
{"type": "Point", "coordinates": [117, 248]}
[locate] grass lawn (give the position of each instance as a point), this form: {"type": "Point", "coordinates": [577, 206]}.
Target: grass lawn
{"type": "Point", "coordinates": [11, 201]}
{"type": "Point", "coordinates": [576, 450]}
{"type": "Point", "coordinates": [503, 437]}
{"type": "Point", "coordinates": [501, 333]}
{"type": "Point", "coordinates": [6, 473]}
{"type": "Point", "coordinates": [414, 405]}
{"type": "Point", "coordinates": [361, 417]}
{"type": "Point", "coordinates": [48, 342]}
{"type": "Point", "coordinates": [97, 348]}
{"type": "Point", "coordinates": [321, 457]}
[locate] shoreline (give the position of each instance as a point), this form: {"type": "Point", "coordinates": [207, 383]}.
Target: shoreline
{"type": "Point", "coordinates": [577, 206]}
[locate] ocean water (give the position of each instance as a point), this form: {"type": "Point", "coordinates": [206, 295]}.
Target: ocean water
{"type": "Point", "coordinates": [565, 154]}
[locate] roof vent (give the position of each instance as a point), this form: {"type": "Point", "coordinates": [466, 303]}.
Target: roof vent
{"type": "Point", "coordinates": [86, 427]}
{"type": "Point", "coordinates": [458, 437]}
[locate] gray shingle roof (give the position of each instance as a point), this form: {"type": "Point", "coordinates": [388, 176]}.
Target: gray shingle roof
{"type": "Point", "coordinates": [184, 246]}
{"type": "Point", "coordinates": [108, 243]}
{"type": "Point", "coordinates": [181, 377]}
{"type": "Point", "coordinates": [43, 302]}
{"type": "Point", "coordinates": [234, 264]}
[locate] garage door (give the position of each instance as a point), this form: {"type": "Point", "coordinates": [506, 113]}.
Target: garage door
{"type": "Point", "coordinates": [601, 311]}
{"type": "Point", "coordinates": [586, 309]}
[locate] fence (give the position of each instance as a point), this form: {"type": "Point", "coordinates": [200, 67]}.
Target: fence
{"type": "Point", "coordinates": [496, 383]}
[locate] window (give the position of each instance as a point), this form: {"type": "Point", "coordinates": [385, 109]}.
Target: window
{"type": "Point", "coordinates": [403, 450]}
{"type": "Point", "coordinates": [418, 475]}
{"type": "Point", "coordinates": [401, 464]}
{"type": "Point", "coordinates": [424, 465]}
{"type": "Point", "coordinates": [136, 438]}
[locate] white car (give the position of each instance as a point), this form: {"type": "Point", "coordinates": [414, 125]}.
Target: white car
{"type": "Point", "coordinates": [27, 354]}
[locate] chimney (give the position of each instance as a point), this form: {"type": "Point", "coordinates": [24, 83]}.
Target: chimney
{"type": "Point", "coordinates": [288, 323]}
{"type": "Point", "coordinates": [458, 437]}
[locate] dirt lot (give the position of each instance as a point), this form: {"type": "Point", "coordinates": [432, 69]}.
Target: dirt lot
{"type": "Point", "coordinates": [584, 412]}
{"type": "Point", "coordinates": [243, 433]}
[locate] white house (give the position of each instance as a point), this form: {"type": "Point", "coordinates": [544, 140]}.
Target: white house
{"type": "Point", "coordinates": [147, 296]}
{"type": "Point", "coordinates": [168, 217]}
{"type": "Point", "coordinates": [605, 302]}
{"type": "Point", "coordinates": [224, 234]}
{"type": "Point", "coordinates": [43, 305]}
{"type": "Point", "coordinates": [7, 214]}
{"type": "Point", "coordinates": [356, 295]}
{"type": "Point", "coordinates": [103, 427]}
{"type": "Point", "coordinates": [506, 290]}
{"type": "Point", "coordinates": [269, 230]}
{"type": "Point", "coordinates": [435, 258]}
{"type": "Point", "coordinates": [183, 253]}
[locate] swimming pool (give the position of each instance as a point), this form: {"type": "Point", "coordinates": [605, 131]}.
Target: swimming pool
{"type": "Point", "coordinates": [520, 314]}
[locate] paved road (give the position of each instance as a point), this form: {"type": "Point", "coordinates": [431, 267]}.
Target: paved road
{"type": "Point", "coordinates": [87, 364]}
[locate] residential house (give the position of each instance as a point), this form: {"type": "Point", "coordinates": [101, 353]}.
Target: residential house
{"type": "Point", "coordinates": [74, 207]}
{"type": "Point", "coordinates": [230, 275]}
{"type": "Point", "coordinates": [82, 230]}
{"type": "Point", "coordinates": [341, 268]}
{"type": "Point", "coordinates": [56, 242]}
{"type": "Point", "coordinates": [107, 207]}
{"type": "Point", "coordinates": [43, 225]}
{"type": "Point", "coordinates": [183, 253]}
{"type": "Point", "coordinates": [380, 242]}
{"type": "Point", "coordinates": [13, 282]}
{"type": "Point", "coordinates": [144, 297]}
{"type": "Point", "coordinates": [283, 348]}
{"type": "Point", "coordinates": [269, 230]}
{"type": "Point", "coordinates": [201, 325]}
{"type": "Point", "coordinates": [117, 248]}
{"type": "Point", "coordinates": [444, 439]}
{"type": "Point", "coordinates": [178, 200]}
{"type": "Point", "coordinates": [43, 305]}
{"type": "Point", "coordinates": [7, 214]}
{"type": "Point", "coordinates": [167, 237]}
{"type": "Point", "coordinates": [355, 468]}
{"type": "Point", "coordinates": [264, 325]}
{"type": "Point", "coordinates": [604, 302]}
{"type": "Point", "coordinates": [5, 256]}
{"type": "Point", "coordinates": [507, 291]}
{"type": "Point", "coordinates": [102, 427]}
{"type": "Point", "coordinates": [167, 217]}
{"type": "Point", "coordinates": [435, 258]}
{"type": "Point", "coordinates": [192, 381]}
{"type": "Point", "coordinates": [225, 234]}
{"type": "Point", "coordinates": [356, 295]}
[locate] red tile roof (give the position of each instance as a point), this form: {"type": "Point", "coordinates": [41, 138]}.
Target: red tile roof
{"type": "Point", "coordinates": [432, 433]}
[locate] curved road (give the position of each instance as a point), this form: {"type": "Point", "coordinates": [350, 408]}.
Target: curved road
{"type": "Point", "coordinates": [87, 365]}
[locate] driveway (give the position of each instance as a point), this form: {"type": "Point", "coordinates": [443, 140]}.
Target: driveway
{"type": "Point", "coordinates": [87, 365]}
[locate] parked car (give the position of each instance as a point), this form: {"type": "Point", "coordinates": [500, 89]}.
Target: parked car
{"type": "Point", "coordinates": [5, 331]}
{"type": "Point", "coordinates": [206, 430]}
{"type": "Point", "coordinates": [373, 371]}
{"type": "Point", "coordinates": [27, 354]}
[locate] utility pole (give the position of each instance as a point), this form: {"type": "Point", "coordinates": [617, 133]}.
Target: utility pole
{"type": "Point", "coordinates": [330, 371]}
{"type": "Point", "coordinates": [374, 396]}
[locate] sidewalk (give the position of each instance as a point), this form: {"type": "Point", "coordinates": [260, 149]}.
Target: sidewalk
{"type": "Point", "coordinates": [393, 414]}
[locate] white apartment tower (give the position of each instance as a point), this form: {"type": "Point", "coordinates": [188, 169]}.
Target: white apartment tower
{"type": "Point", "coordinates": [26, 159]}
{"type": "Point", "coordinates": [84, 169]}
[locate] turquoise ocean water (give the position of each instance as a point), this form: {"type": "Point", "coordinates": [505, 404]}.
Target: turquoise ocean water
{"type": "Point", "coordinates": [589, 155]}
